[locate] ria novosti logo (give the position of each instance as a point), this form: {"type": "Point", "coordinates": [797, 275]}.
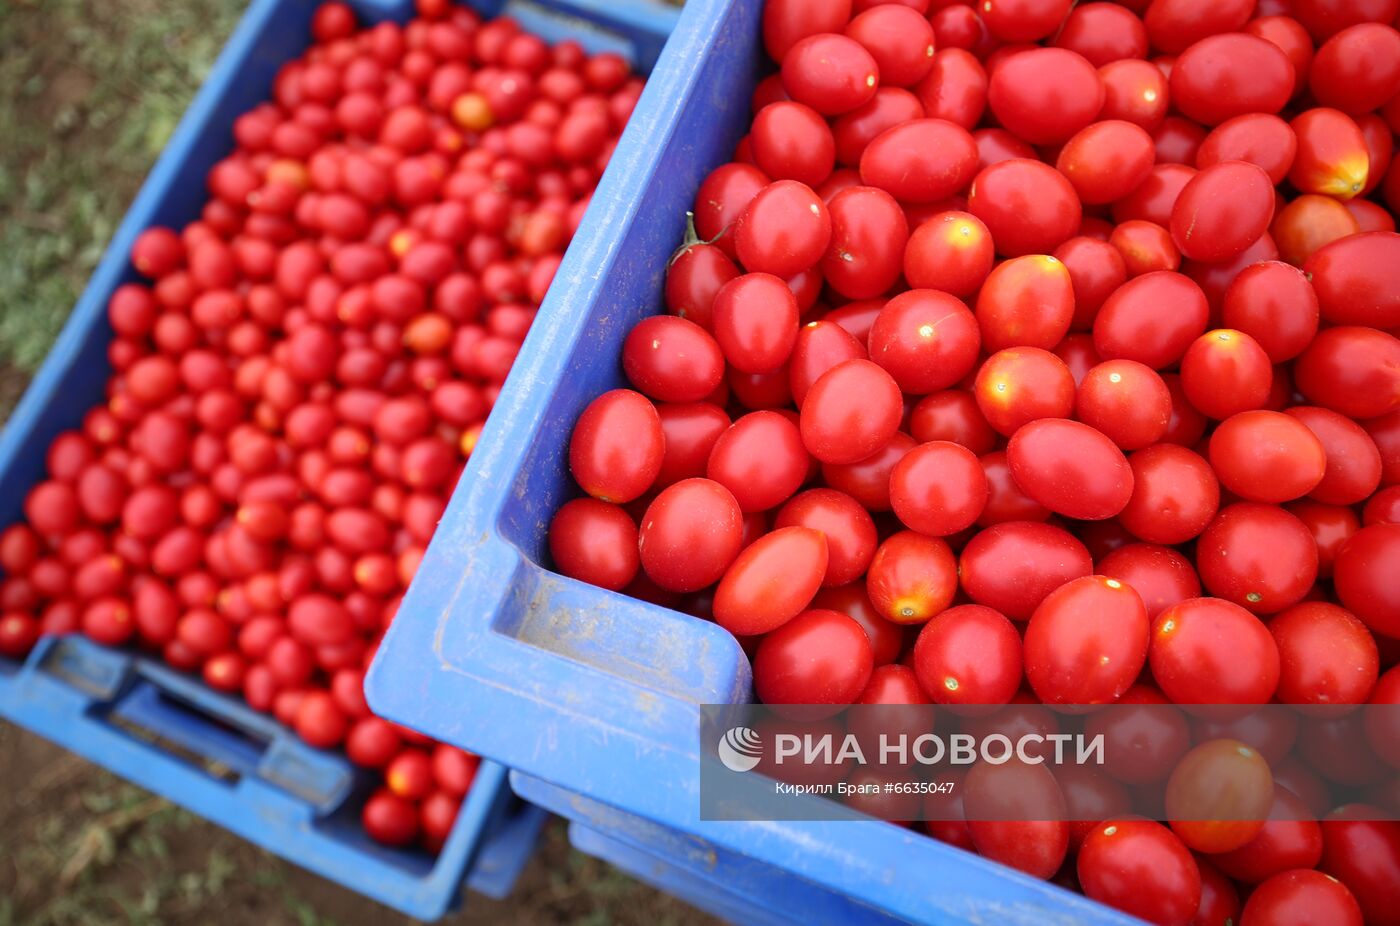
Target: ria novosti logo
{"type": "Point", "coordinates": [740, 749]}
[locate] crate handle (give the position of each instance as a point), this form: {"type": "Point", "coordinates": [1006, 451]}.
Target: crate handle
{"type": "Point", "coordinates": [196, 726]}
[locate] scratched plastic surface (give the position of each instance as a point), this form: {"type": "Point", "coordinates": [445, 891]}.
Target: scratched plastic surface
{"type": "Point", "coordinates": [589, 695]}
{"type": "Point", "coordinates": [274, 791]}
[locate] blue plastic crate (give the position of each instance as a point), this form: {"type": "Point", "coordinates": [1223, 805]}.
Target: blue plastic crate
{"type": "Point", "coordinates": [287, 798]}
{"type": "Point", "coordinates": [590, 695]}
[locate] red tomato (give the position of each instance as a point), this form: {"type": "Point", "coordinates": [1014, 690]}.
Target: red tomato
{"type": "Point", "coordinates": [1005, 501]}
{"type": "Point", "coordinates": [849, 530]}
{"type": "Point", "coordinates": [1145, 247]}
{"type": "Point", "coordinates": [760, 459]}
{"type": "Point", "coordinates": [923, 161]}
{"type": "Point", "coordinates": [1257, 556]}
{"type": "Point", "coordinates": [938, 489]}
{"type": "Point", "coordinates": [1218, 796]}
{"type": "Point", "coordinates": [858, 128]}
{"type": "Point", "coordinates": [1209, 651]}
{"type": "Point", "coordinates": [1332, 158]}
{"type": "Point", "coordinates": [1024, 20]}
{"type": "Point", "coordinates": [955, 89]}
{"type": "Point", "coordinates": [868, 236]}
{"type": "Point", "coordinates": [690, 534]}
{"type": "Point", "coordinates": [1266, 456]}
{"type": "Point", "coordinates": [1029, 207]}
{"type": "Point", "coordinates": [1011, 567]}
{"type": "Point", "coordinates": [1016, 816]}
{"type": "Point", "coordinates": [784, 230]}
{"type": "Point", "coordinates": [968, 655]}
{"type": "Point", "coordinates": [1174, 25]}
{"type": "Point", "coordinates": [672, 360]}
{"type": "Point", "coordinates": [1045, 95]}
{"type": "Point", "coordinates": [1353, 460]}
{"type": "Point", "coordinates": [786, 22]}
{"type": "Point", "coordinates": [1107, 160]}
{"type": "Point", "coordinates": [1103, 33]}
{"type": "Point", "coordinates": [820, 346]}
{"type": "Point", "coordinates": [912, 578]}
{"type": "Point", "coordinates": [952, 415]}
{"type": "Point", "coordinates": [1356, 279]}
{"type": "Point", "coordinates": [1222, 211]}
{"type": "Point", "coordinates": [1326, 656]}
{"type": "Point", "coordinates": [851, 412]}
{"type": "Point", "coordinates": [690, 431]}
{"type": "Point", "coordinates": [1364, 573]}
{"type": "Point", "coordinates": [886, 637]}
{"type": "Point", "coordinates": [1154, 198]}
{"type": "Point", "coordinates": [1126, 401]}
{"type": "Point", "coordinates": [951, 252]}
{"type": "Point", "coordinates": [755, 322]}
{"type": "Point", "coordinates": [1141, 868]}
{"type": "Point", "coordinates": [1351, 370]}
{"type": "Point", "coordinates": [868, 480]}
{"type": "Point", "coordinates": [925, 339]}
{"type": "Point", "coordinates": [1023, 384]}
{"type": "Point", "coordinates": [1161, 576]}
{"type": "Point", "coordinates": [1025, 302]}
{"type": "Point", "coordinates": [1274, 304]}
{"type": "Point", "coordinates": [771, 581]}
{"type": "Point", "coordinates": [793, 142]}
{"type": "Point", "coordinates": [1134, 91]}
{"type": "Point", "coordinates": [617, 445]}
{"type": "Point", "coordinates": [900, 40]}
{"type": "Point", "coordinates": [722, 199]}
{"type": "Point", "coordinates": [1223, 76]}
{"type": "Point", "coordinates": [1362, 850]}
{"type": "Point", "coordinates": [1175, 495]}
{"type": "Point", "coordinates": [1070, 468]}
{"type": "Point", "coordinates": [1096, 269]}
{"type": "Point", "coordinates": [1086, 642]}
{"type": "Point", "coordinates": [1258, 138]}
{"type": "Point", "coordinates": [1309, 223]}
{"type": "Point", "coordinates": [817, 657]}
{"type": "Point", "coordinates": [1358, 69]}
{"type": "Point", "coordinates": [1225, 372]}
{"type": "Point", "coordinates": [1301, 896]}
{"type": "Point", "coordinates": [1130, 327]}
{"type": "Point", "coordinates": [829, 72]}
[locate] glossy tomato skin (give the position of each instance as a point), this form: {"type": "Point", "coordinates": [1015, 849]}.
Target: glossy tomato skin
{"type": "Point", "coordinates": [1258, 138]}
{"type": "Point", "coordinates": [771, 582]}
{"type": "Point", "coordinates": [830, 72]}
{"type": "Point", "coordinates": [1358, 69]}
{"type": "Point", "coordinates": [851, 412]}
{"type": "Point", "coordinates": [755, 318]}
{"type": "Point", "coordinates": [1222, 211]}
{"type": "Point", "coordinates": [1103, 34]}
{"type": "Point", "coordinates": [1210, 651]}
{"type": "Point", "coordinates": [922, 161]}
{"type": "Point", "coordinates": [1029, 207]}
{"type": "Point", "coordinates": [1332, 158]}
{"type": "Point", "coordinates": [793, 142]}
{"type": "Point", "coordinates": [969, 654]}
{"type": "Point", "coordinates": [1011, 567]}
{"type": "Point", "coordinates": [868, 480]}
{"type": "Point", "coordinates": [912, 578]}
{"type": "Point", "coordinates": [1175, 494]}
{"type": "Point", "coordinates": [690, 430]}
{"type": "Point", "coordinates": [1134, 91]}
{"type": "Point", "coordinates": [1353, 461]}
{"type": "Point", "coordinates": [690, 534]}
{"type": "Point", "coordinates": [786, 22]}
{"type": "Point", "coordinates": [784, 230]}
{"type": "Point", "coordinates": [1125, 400]}
{"type": "Point", "coordinates": [951, 252]}
{"type": "Point", "coordinates": [1145, 247]}
{"type": "Point", "coordinates": [1225, 372]}
{"type": "Point", "coordinates": [1301, 894]}
{"type": "Point", "coordinates": [955, 88]}
{"type": "Point", "coordinates": [617, 445]}
{"type": "Point", "coordinates": [1352, 370]}
{"type": "Point", "coordinates": [692, 280]}
{"type": "Point", "coordinates": [1141, 868]}
{"type": "Point", "coordinates": [1070, 468]}
{"type": "Point", "coordinates": [1364, 577]}
{"type": "Point", "coordinates": [820, 345]}
{"type": "Point", "coordinates": [1022, 20]}
{"type": "Point", "coordinates": [1096, 269]}
{"type": "Point", "coordinates": [1016, 816]}
{"type": "Point", "coordinates": [1045, 95]}
{"type": "Point", "coordinates": [1267, 456]}
{"type": "Point", "coordinates": [952, 415]}
{"type": "Point", "coordinates": [1223, 76]}
{"type": "Point", "coordinates": [1022, 384]}
{"type": "Point", "coordinates": [926, 340]}
{"type": "Point", "coordinates": [1152, 201]}
{"type": "Point", "coordinates": [760, 459]}
{"type": "Point", "coordinates": [721, 200]}
{"type": "Point", "coordinates": [1130, 327]}
{"type": "Point", "coordinates": [899, 38]}
{"type": "Point", "coordinates": [1025, 302]}
{"type": "Point", "coordinates": [1086, 642]}
{"type": "Point", "coordinates": [1276, 305]}
{"type": "Point", "coordinates": [855, 130]}
{"type": "Point", "coordinates": [1327, 656]}
{"type": "Point", "coordinates": [818, 657]}
{"type": "Point", "coordinates": [1005, 500]}
{"type": "Point", "coordinates": [672, 360]}
{"type": "Point", "coordinates": [886, 637]}
{"type": "Point", "coordinates": [1362, 850]}
{"type": "Point", "coordinates": [1356, 280]}
{"type": "Point", "coordinates": [938, 488]}
{"type": "Point", "coordinates": [1161, 576]}
{"type": "Point", "coordinates": [1258, 556]}
{"type": "Point", "coordinates": [868, 235]}
{"type": "Point", "coordinates": [1174, 25]}
{"type": "Point", "coordinates": [1107, 160]}
{"type": "Point", "coordinates": [595, 542]}
{"type": "Point", "coordinates": [850, 533]}
{"type": "Point", "coordinates": [1308, 224]}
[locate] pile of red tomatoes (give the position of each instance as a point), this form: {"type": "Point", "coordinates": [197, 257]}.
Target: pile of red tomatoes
{"type": "Point", "coordinates": [1029, 353]}
{"type": "Point", "coordinates": [298, 384]}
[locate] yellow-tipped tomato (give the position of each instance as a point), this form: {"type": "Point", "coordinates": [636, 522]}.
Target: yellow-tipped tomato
{"type": "Point", "coordinates": [912, 578]}
{"type": "Point", "coordinates": [1332, 156]}
{"type": "Point", "coordinates": [1020, 384]}
{"type": "Point", "coordinates": [1026, 302]}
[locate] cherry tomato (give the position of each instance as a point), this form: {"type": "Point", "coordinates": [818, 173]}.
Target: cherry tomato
{"type": "Point", "coordinates": [1309, 223]}
{"type": "Point", "coordinates": [923, 161]}
{"type": "Point", "coordinates": [786, 22]}
{"type": "Point", "coordinates": [1218, 796]}
{"type": "Point", "coordinates": [829, 72]}
{"type": "Point", "coordinates": [952, 415]}
{"type": "Point", "coordinates": [1259, 138]}
{"type": "Point", "coordinates": [784, 230]}
{"type": "Point", "coordinates": [912, 578]}
{"type": "Point", "coordinates": [855, 130]}
{"type": "Point", "coordinates": [851, 412]}
{"type": "Point", "coordinates": [1362, 851]}
{"type": "Point", "coordinates": [938, 488]}
{"type": "Point", "coordinates": [817, 657]}
{"type": "Point", "coordinates": [755, 322]}
{"type": "Point", "coordinates": [886, 637]}
{"type": "Point", "coordinates": [1223, 76]}
{"type": "Point", "coordinates": [1016, 816]}
{"type": "Point", "coordinates": [690, 534]}
{"type": "Point", "coordinates": [1096, 269]}
{"type": "Point", "coordinates": [1103, 33]}
{"type": "Point", "coordinates": [1025, 302]}
{"type": "Point", "coordinates": [849, 530]}
{"type": "Point", "coordinates": [1130, 327]}
{"type": "Point", "coordinates": [820, 346]}
{"type": "Point", "coordinates": [1274, 304]}
{"type": "Point", "coordinates": [1126, 401]}
{"type": "Point", "coordinates": [1161, 576]}
{"type": "Point", "coordinates": [1358, 69]}
{"type": "Point", "coordinates": [1145, 247]}
{"type": "Point", "coordinates": [771, 582]}
{"type": "Point", "coordinates": [1351, 370]}
{"type": "Point", "coordinates": [968, 655]}
{"type": "Point", "coordinates": [955, 88]}
{"type": "Point", "coordinates": [925, 340]}
{"type": "Point", "coordinates": [899, 38]}
{"type": "Point", "coordinates": [1029, 207]}
{"type": "Point", "coordinates": [1326, 655]}
{"type": "Point", "coordinates": [1086, 642]}
{"type": "Point", "coordinates": [1070, 468]}
{"type": "Point", "coordinates": [1225, 372]}
{"type": "Point", "coordinates": [1257, 556]}
{"type": "Point", "coordinates": [868, 480]}
{"type": "Point", "coordinates": [1134, 91]}
{"type": "Point", "coordinates": [1267, 456]}
{"type": "Point", "coordinates": [1045, 95]}
{"type": "Point", "coordinates": [793, 142]}
{"type": "Point", "coordinates": [1362, 575]}
{"type": "Point", "coordinates": [1210, 651]}
{"type": "Point", "coordinates": [722, 199]}
{"type": "Point", "coordinates": [1141, 868]}
{"type": "Point", "coordinates": [1353, 460]}
{"type": "Point", "coordinates": [1024, 20]}
{"type": "Point", "coordinates": [1355, 278]}
{"type": "Point", "coordinates": [1107, 160]}
{"type": "Point", "coordinates": [868, 235]}
{"type": "Point", "coordinates": [1011, 567]}
{"type": "Point", "coordinates": [617, 445]}
{"type": "Point", "coordinates": [1023, 384]}
{"type": "Point", "coordinates": [1175, 495]}
{"type": "Point", "coordinates": [760, 459]}
{"type": "Point", "coordinates": [672, 360]}
{"type": "Point", "coordinates": [1222, 211]}
{"type": "Point", "coordinates": [1301, 896]}
{"type": "Point", "coordinates": [690, 431]}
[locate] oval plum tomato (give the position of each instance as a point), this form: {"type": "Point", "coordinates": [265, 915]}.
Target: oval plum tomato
{"type": "Point", "coordinates": [1025, 302]}
{"type": "Point", "coordinates": [672, 360]}
{"type": "Point", "coordinates": [952, 415]}
{"type": "Point", "coordinates": [1219, 795]}
{"type": "Point", "coordinates": [1152, 201]}
{"type": "Point", "coordinates": [1175, 495]}
{"type": "Point", "coordinates": [1096, 269]}
{"type": "Point", "coordinates": [1029, 207]}
{"type": "Point", "coordinates": [1130, 326]}
{"type": "Point", "coordinates": [1070, 468]}
{"type": "Point", "coordinates": [912, 578]}
{"type": "Point", "coordinates": [1309, 223]}
{"type": "Point", "coordinates": [1012, 567]}
{"type": "Point", "coordinates": [925, 340]}
{"type": "Point", "coordinates": [1126, 401]}
{"type": "Point", "coordinates": [868, 480]}
{"type": "Point", "coordinates": [1332, 158]}
{"type": "Point", "coordinates": [1023, 20]}
{"type": "Point", "coordinates": [1134, 91]}
{"type": "Point", "coordinates": [1258, 556]}
{"type": "Point", "coordinates": [1352, 370]}
{"type": "Point", "coordinates": [899, 38]}
{"type": "Point", "coordinates": [1223, 76]}
{"type": "Point", "coordinates": [951, 252]}
{"type": "Point", "coordinates": [1145, 247]}
{"type": "Point", "coordinates": [1225, 372]}
{"type": "Point", "coordinates": [923, 161]}
{"type": "Point", "coordinates": [1330, 525]}
{"type": "Point", "coordinates": [1356, 280]}
{"type": "Point", "coordinates": [1103, 33]}
{"type": "Point", "coordinates": [968, 655]}
{"type": "Point", "coordinates": [1301, 896]}
{"type": "Point", "coordinates": [1161, 576]}
{"type": "Point", "coordinates": [722, 199]}
{"type": "Point", "coordinates": [829, 72]}
{"type": "Point", "coordinates": [1016, 816]}
{"type": "Point", "coordinates": [868, 236]}
{"type": "Point", "coordinates": [851, 411]}
{"type": "Point", "coordinates": [594, 542]}
{"type": "Point", "coordinates": [1326, 656]}
{"type": "Point", "coordinates": [1045, 95]}
{"type": "Point", "coordinates": [760, 459]}
{"type": "Point", "coordinates": [1353, 461]}
{"type": "Point", "coordinates": [784, 230]}
{"type": "Point", "coordinates": [1363, 852]}
{"type": "Point", "coordinates": [938, 488]}
{"type": "Point", "coordinates": [793, 142]}
{"type": "Point", "coordinates": [1258, 138]}
{"type": "Point", "coordinates": [1276, 305]}
{"type": "Point", "coordinates": [689, 535]}
{"type": "Point", "coordinates": [886, 637]}
{"type": "Point", "coordinates": [1086, 642]}
{"type": "Point", "coordinates": [690, 431]}
{"type": "Point", "coordinates": [787, 22]}
{"type": "Point", "coordinates": [1364, 577]}
{"type": "Point", "coordinates": [771, 582]}
{"type": "Point", "coordinates": [818, 657]}
{"type": "Point", "coordinates": [1210, 651]}
{"type": "Point", "coordinates": [1289, 839]}
{"type": "Point", "coordinates": [755, 319]}
{"type": "Point", "coordinates": [850, 533]}
{"type": "Point", "coordinates": [616, 448]}
{"type": "Point", "coordinates": [1267, 456]}
{"type": "Point", "coordinates": [1005, 501]}
{"type": "Point", "coordinates": [1023, 384]}
{"type": "Point", "coordinates": [1141, 868]}
{"type": "Point", "coordinates": [1222, 211]}
{"type": "Point", "coordinates": [855, 130]}
{"type": "Point", "coordinates": [1174, 25]}
{"type": "Point", "coordinates": [955, 89]}
{"type": "Point", "coordinates": [1107, 160]}
{"type": "Point", "coordinates": [1358, 69]}
{"type": "Point", "coordinates": [820, 346]}
{"type": "Point", "coordinates": [997, 145]}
